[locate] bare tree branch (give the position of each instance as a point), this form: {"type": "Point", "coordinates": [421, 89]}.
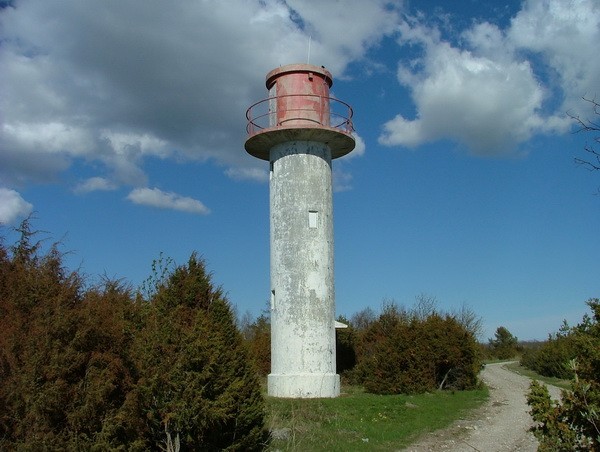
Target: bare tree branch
{"type": "Point", "coordinates": [592, 162]}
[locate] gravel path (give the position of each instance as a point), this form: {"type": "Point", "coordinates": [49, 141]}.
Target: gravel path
{"type": "Point", "coordinates": [500, 425]}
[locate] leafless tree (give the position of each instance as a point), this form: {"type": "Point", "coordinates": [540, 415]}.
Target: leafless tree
{"type": "Point", "coordinates": [592, 161]}
{"type": "Point", "coordinates": [425, 306]}
{"type": "Point", "coordinates": [361, 320]}
{"type": "Point", "coordinates": [469, 320]}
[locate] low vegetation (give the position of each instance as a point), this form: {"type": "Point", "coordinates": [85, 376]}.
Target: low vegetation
{"type": "Point", "coordinates": [165, 367]}
{"type": "Point", "coordinates": [98, 368]}
{"type": "Point", "coordinates": [574, 422]}
{"type": "Point", "coordinates": [503, 345]}
{"type": "Point", "coordinates": [404, 353]}
{"type": "Point", "coordinates": [361, 421]}
{"type": "Point", "coordinates": [399, 351]}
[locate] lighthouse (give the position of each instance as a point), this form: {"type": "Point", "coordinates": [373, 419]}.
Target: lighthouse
{"type": "Point", "coordinates": [299, 129]}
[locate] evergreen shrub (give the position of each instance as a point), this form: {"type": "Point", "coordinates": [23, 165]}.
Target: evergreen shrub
{"type": "Point", "coordinates": [404, 353]}
{"type": "Point", "coordinates": [573, 423]}
{"type": "Point", "coordinates": [101, 368]}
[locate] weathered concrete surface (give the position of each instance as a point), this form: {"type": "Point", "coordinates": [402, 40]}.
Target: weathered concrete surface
{"type": "Point", "coordinates": [302, 287]}
{"type": "Point", "coordinates": [300, 144]}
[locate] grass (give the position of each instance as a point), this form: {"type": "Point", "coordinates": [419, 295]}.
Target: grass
{"type": "Point", "coordinates": [360, 421]}
{"type": "Point", "coordinates": [517, 368]}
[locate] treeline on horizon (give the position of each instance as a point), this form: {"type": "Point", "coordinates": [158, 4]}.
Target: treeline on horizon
{"type": "Point", "coordinates": [106, 366]}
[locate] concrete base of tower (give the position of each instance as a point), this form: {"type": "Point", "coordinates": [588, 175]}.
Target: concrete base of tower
{"type": "Point", "coordinates": [304, 386]}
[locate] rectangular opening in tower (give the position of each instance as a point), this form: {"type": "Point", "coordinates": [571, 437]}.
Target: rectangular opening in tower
{"type": "Point", "coordinates": [313, 219]}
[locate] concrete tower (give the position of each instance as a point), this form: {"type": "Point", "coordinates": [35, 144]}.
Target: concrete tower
{"type": "Point", "coordinates": [299, 129]}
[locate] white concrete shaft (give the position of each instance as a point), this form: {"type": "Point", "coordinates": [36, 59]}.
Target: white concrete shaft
{"type": "Point", "coordinates": [302, 285]}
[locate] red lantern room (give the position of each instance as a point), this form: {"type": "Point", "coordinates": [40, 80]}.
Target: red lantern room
{"type": "Point", "coordinates": [299, 107]}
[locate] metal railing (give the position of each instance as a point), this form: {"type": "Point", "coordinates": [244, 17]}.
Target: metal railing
{"type": "Point", "coordinates": [264, 115]}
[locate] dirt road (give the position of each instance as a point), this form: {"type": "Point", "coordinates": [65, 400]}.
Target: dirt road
{"type": "Point", "coordinates": [500, 425]}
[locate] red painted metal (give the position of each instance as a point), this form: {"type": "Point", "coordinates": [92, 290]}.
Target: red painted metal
{"type": "Point", "coordinates": [299, 107]}
{"type": "Point", "coordinates": [302, 96]}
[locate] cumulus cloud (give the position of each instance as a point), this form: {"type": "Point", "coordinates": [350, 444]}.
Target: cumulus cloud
{"type": "Point", "coordinates": [344, 30]}
{"type": "Point", "coordinates": [95, 184]}
{"type": "Point", "coordinates": [487, 105]}
{"type": "Point", "coordinates": [485, 90]}
{"type": "Point", "coordinates": [359, 148]}
{"type": "Point", "coordinates": [248, 173]}
{"type": "Point", "coordinates": [155, 197]}
{"type": "Point", "coordinates": [12, 206]}
{"type": "Point", "coordinates": [104, 83]}
{"type": "Point", "coordinates": [566, 34]}
{"type": "Point", "coordinates": [342, 180]}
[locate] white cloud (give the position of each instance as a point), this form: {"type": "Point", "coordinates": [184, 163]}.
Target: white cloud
{"type": "Point", "coordinates": [12, 206]}
{"type": "Point", "coordinates": [359, 148]}
{"type": "Point", "coordinates": [488, 91]}
{"type": "Point", "coordinates": [343, 31]}
{"type": "Point", "coordinates": [566, 34]}
{"type": "Point", "coordinates": [51, 136]}
{"type": "Point", "coordinates": [248, 173]}
{"type": "Point", "coordinates": [154, 197]}
{"type": "Point", "coordinates": [103, 82]}
{"type": "Point", "coordinates": [342, 180]}
{"type": "Point", "coordinates": [95, 184]}
{"type": "Point", "coordinates": [123, 143]}
{"type": "Point", "coordinates": [487, 105]}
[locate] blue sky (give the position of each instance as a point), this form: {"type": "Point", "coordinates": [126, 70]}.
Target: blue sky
{"type": "Point", "coordinates": [122, 128]}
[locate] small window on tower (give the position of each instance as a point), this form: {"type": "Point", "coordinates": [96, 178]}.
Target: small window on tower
{"type": "Point", "coordinates": [313, 219]}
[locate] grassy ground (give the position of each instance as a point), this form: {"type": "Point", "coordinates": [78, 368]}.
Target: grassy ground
{"type": "Point", "coordinates": [360, 421]}
{"type": "Point", "coordinates": [517, 368]}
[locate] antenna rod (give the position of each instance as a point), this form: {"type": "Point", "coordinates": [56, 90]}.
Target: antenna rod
{"type": "Point", "coordinates": [308, 58]}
